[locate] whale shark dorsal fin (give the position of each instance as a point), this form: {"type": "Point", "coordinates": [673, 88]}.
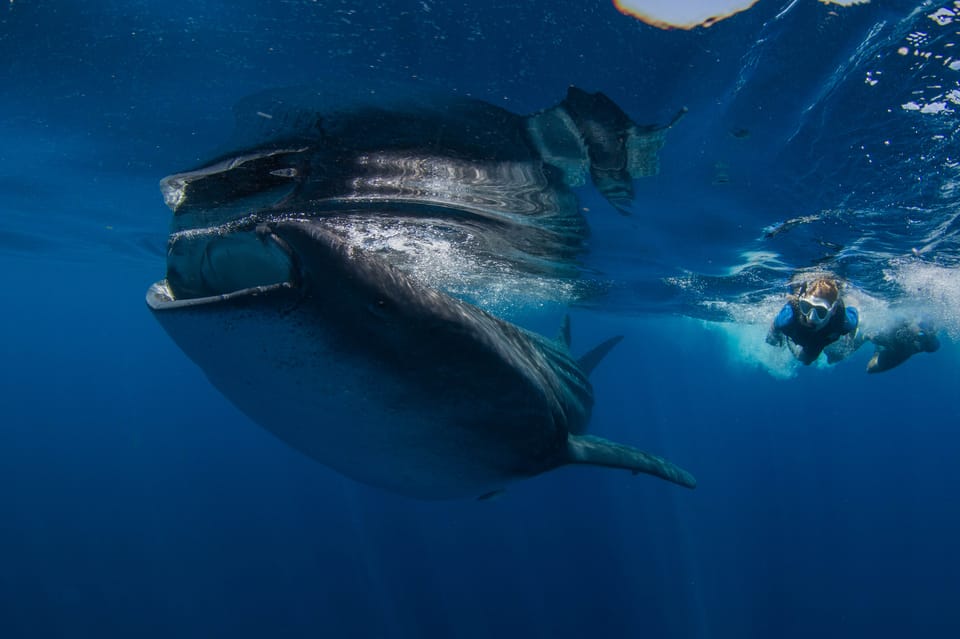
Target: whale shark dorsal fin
{"type": "Point", "coordinates": [596, 451]}
{"type": "Point", "coordinates": [563, 336]}
{"type": "Point", "coordinates": [589, 360]}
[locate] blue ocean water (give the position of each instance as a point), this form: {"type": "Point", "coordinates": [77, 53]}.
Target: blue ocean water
{"type": "Point", "coordinates": [135, 500]}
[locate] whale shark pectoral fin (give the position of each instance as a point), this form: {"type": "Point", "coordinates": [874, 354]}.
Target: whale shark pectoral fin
{"type": "Point", "coordinates": [588, 361]}
{"type": "Point", "coordinates": [596, 451]}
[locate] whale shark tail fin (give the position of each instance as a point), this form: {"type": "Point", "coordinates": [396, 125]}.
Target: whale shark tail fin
{"type": "Point", "coordinates": [596, 451]}
{"type": "Point", "coordinates": [591, 358]}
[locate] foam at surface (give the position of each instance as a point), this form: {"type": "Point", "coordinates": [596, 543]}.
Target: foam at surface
{"type": "Point", "coordinates": [931, 291]}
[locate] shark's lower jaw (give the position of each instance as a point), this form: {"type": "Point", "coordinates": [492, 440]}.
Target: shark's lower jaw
{"type": "Point", "coordinates": [161, 298]}
{"type": "Point", "coordinates": [215, 262]}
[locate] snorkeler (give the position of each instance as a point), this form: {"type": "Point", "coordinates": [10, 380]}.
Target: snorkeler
{"type": "Point", "coordinates": [813, 318]}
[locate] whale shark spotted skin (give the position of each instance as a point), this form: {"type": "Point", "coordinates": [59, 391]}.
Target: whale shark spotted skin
{"type": "Point", "coordinates": [358, 365]}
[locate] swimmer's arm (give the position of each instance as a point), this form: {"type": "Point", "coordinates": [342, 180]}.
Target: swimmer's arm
{"type": "Point", "coordinates": [783, 319]}
{"type": "Point", "coordinates": [851, 320]}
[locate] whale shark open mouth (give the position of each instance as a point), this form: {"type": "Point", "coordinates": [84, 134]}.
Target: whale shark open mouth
{"type": "Point", "coordinates": [230, 265]}
{"type": "Point", "coordinates": [203, 263]}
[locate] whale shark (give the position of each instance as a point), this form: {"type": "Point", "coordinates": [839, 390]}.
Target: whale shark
{"type": "Point", "coordinates": [327, 271]}
{"type": "Point", "coordinates": [357, 364]}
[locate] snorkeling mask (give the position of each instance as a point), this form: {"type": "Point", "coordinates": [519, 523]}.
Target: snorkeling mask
{"type": "Point", "coordinates": [816, 311]}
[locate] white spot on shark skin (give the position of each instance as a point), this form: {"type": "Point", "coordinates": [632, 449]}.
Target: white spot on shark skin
{"type": "Point", "coordinates": [943, 16]}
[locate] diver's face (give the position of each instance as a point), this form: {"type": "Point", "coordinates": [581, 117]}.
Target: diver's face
{"type": "Point", "coordinates": [815, 312]}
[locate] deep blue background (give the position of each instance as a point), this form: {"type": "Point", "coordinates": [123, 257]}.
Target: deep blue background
{"type": "Point", "coordinates": [135, 501]}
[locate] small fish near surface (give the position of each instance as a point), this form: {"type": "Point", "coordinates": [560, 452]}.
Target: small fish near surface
{"type": "Point", "coordinates": [394, 384]}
